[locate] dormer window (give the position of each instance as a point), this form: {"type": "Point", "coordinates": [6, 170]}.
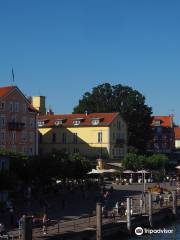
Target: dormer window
{"type": "Point", "coordinates": [59, 122]}
{"type": "Point", "coordinates": [41, 123]}
{"type": "Point", "coordinates": [77, 121]}
{"type": "Point", "coordinates": [157, 123]}
{"type": "Point", "coordinates": [96, 121]}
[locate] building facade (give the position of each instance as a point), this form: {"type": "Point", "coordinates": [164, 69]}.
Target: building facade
{"type": "Point", "coordinates": [18, 122]}
{"type": "Point", "coordinates": [93, 135]}
{"type": "Point", "coordinates": [177, 138]}
{"type": "Point", "coordinates": [163, 140]}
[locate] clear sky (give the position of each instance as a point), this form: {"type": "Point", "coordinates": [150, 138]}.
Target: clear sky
{"type": "Point", "coordinates": [62, 48]}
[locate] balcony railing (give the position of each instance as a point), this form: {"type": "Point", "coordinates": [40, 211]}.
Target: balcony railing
{"type": "Point", "coordinates": [16, 126]}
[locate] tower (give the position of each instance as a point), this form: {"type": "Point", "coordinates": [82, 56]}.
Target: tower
{"type": "Point", "coordinates": [39, 103]}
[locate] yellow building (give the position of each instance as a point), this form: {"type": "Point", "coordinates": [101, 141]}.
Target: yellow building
{"type": "Point", "coordinates": [93, 135]}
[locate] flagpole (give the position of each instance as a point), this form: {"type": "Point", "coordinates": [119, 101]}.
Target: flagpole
{"type": "Point", "coordinates": [12, 72]}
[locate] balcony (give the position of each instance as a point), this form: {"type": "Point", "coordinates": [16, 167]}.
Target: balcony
{"type": "Point", "coordinates": [15, 126]}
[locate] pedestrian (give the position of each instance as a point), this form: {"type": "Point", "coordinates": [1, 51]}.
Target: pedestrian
{"type": "Point", "coordinates": [2, 229]}
{"type": "Point", "coordinates": [11, 214]}
{"type": "Point", "coordinates": [45, 221]}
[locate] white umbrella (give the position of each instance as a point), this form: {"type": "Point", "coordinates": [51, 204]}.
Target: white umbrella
{"type": "Point", "coordinates": [97, 171]}
{"type": "Point", "coordinates": [143, 171]}
{"type": "Point", "coordinates": [128, 171]}
{"type": "Point", "coordinates": [110, 170]}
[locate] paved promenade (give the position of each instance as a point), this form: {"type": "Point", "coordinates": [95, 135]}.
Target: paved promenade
{"type": "Point", "coordinates": [73, 210]}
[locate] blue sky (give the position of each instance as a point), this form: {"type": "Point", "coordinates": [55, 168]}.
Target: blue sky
{"type": "Point", "coordinates": [63, 48]}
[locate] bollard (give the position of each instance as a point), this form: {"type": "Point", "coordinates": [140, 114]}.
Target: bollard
{"type": "Point", "coordinates": [128, 214]}
{"type": "Point", "coordinates": [174, 203]}
{"type": "Point", "coordinates": [26, 230]}
{"type": "Point", "coordinates": [98, 221]}
{"type": "Point", "coordinates": [150, 208]}
{"type": "Point", "coordinates": [58, 226]}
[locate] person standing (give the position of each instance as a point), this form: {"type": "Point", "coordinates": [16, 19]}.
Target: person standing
{"type": "Point", "coordinates": [45, 221]}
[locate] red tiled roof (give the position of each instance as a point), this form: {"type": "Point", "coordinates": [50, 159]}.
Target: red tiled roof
{"type": "Point", "coordinates": [5, 90]}
{"type": "Point", "coordinates": [106, 119]}
{"type": "Point", "coordinates": [166, 121]}
{"type": "Point", "coordinates": [177, 132]}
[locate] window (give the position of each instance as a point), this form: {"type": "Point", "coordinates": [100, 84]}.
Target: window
{"type": "Point", "coordinates": [13, 118]}
{"type": "Point", "coordinates": [13, 136]}
{"type": "Point", "coordinates": [31, 137]}
{"type": "Point", "coordinates": [157, 123]}
{"type": "Point", "coordinates": [76, 122]}
{"type": "Point", "coordinates": [2, 106]}
{"type": "Point", "coordinates": [118, 152]}
{"type": "Point", "coordinates": [24, 120]}
{"type": "Point", "coordinates": [31, 122]}
{"type": "Point", "coordinates": [99, 137]}
{"type": "Point", "coordinates": [119, 124]}
{"type": "Point", "coordinates": [16, 107]}
{"type": "Point", "coordinates": [76, 150]}
{"type": "Point", "coordinates": [54, 138]}
{"type": "Point", "coordinates": [113, 136]}
{"type": "Point", "coordinates": [2, 121]}
{"type": "Point", "coordinates": [59, 122]}
{"type": "Point", "coordinates": [75, 138]}
{"type": "Point", "coordinates": [11, 106]}
{"type": "Point", "coordinates": [2, 137]}
{"type": "Point", "coordinates": [24, 108]}
{"type": "Point", "coordinates": [95, 121]}
{"type": "Point", "coordinates": [40, 123]}
{"type": "Point", "coordinates": [24, 136]}
{"type": "Point", "coordinates": [64, 138]}
{"type": "Point", "coordinates": [31, 151]}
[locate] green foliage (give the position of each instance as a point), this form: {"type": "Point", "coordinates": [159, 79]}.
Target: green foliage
{"type": "Point", "coordinates": [130, 161]}
{"type": "Point", "coordinates": [131, 105]}
{"type": "Point", "coordinates": [157, 161]}
{"type": "Point", "coordinates": [136, 162]}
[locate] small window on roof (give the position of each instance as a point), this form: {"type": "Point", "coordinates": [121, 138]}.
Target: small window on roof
{"type": "Point", "coordinates": [157, 123]}
{"type": "Point", "coordinates": [59, 122]}
{"type": "Point", "coordinates": [77, 121]}
{"type": "Point", "coordinates": [40, 123]}
{"type": "Point", "coordinates": [95, 121]}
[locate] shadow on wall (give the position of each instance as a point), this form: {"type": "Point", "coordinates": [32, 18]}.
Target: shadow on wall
{"type": "Point", "coordinates": [66, 141]}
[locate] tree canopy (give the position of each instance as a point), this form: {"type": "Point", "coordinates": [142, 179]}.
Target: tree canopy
{"type": "Point", "coordinates": [131, 105]}
{"type": "Point", "coordinates": [136, 162]}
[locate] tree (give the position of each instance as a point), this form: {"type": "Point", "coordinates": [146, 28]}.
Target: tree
{"type": "Point", "coordinates": [157, 162]}
{"type": "Point", "coordinates": [131, 105]}
{"type": "Point", "coordinates": [130, 161]}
